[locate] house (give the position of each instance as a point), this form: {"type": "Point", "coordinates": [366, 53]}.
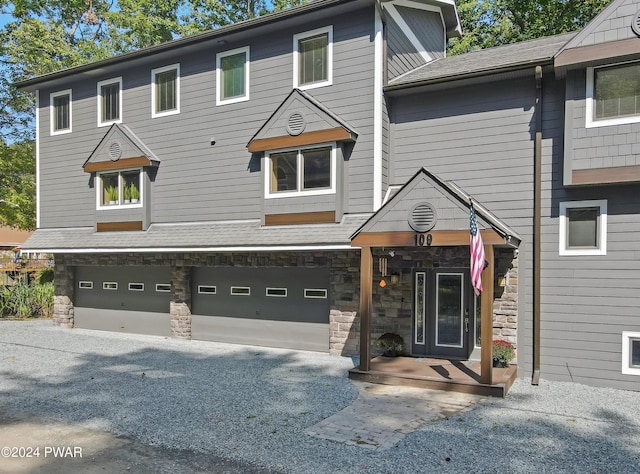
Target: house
{"type": "Point", "coordinates": [305, 180]}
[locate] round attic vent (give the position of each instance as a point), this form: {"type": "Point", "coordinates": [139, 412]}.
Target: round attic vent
{"type": "Point", "coordinates": [115, 151]}
{"type": "Point", "coordinates": [635, 24]}
{"type": "Point", "coordinates": [423, 217]}
{"type": "Point", "coordinates": [296, 124]}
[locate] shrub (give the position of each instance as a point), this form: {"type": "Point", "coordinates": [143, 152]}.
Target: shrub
{"type": "Point", "coordinates": [503, 351]}
{"type": "Point", "coordinates": [25, 300]}
{"type": "Point", "coordinates": [390, 344]}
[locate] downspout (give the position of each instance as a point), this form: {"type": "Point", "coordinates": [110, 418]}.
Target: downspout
{"type": "Point", "coordinates": [537, 219]}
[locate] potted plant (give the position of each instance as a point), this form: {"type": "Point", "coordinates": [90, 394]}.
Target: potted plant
{"type": "Point", "coordinates": [112, 192]}
{"type": "Point", "coordinates": [391, 344]}
{"type": "Point", "coordinates": [127, 194]}
{"type": "Point", "coordinates": [503, 353]}
{"type": "Point", "coordinates": [135, 194]}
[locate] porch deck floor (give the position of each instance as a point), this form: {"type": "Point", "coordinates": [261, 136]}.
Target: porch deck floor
{"type": "Point", "coordinates": [450, 375]}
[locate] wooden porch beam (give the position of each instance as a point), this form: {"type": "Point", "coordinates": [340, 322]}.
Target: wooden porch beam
{"type": "Point", "coordinates": [486, 319]}
{"type": "Point", "coordinates": [439, 238]}
{"type": "Point", "coordinates": [366, 291]}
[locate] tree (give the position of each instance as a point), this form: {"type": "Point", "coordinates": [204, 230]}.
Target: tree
{"type": "Point", "coordinates": [17, 185]}
{"type": "Point", "coordinates": [487, 23]}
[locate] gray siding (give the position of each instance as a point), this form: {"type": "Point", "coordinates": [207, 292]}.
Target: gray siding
{"type": "Point", "coordinates": [595, 147]}
{"type": "Point", "coordinates": [616, 25]}
{"type": "Point", "coordinates": [428, 27]}
{"type": "Point", "coordinates": [402, 56]}
{"type": "Point", "coordinates": [196, 181]}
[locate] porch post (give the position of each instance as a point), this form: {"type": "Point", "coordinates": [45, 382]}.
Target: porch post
{"type": "Point", "coordinates": [486, 320]}
{"type": "Point", "coordinates": [366, 290]}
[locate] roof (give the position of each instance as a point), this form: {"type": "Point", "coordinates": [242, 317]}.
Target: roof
{"type": "Point", "coordinates": [31, 84]}
{"type": "Point", "coordinates": [10, 237]}
{"type": "Point", "coordinates": [485, 61]}
{"type": "Point", "coordinates": [193, 237]}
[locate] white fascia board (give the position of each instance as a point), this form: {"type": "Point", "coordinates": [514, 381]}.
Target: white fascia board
{"type": "Point", "coordinates": [275, 248]}
{"type": "Point", "coordinates": [37, 158]}
{"type": "Point", "coordinates": [377, 111]}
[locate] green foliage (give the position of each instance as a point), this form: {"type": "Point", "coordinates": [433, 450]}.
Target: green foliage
{"type": "Point", "coordinates": [45, 275]}
{"type": "Point", "coordinates": [391, 343]}
{"type": "Point", "coordinates": [24, 300]}
{"type": "Point", "coordinates": [488, 23]}
{"type": "Point", "coordinates": [503, 351]}
{"type": "Point", "coordinates": [17, 185]}
{"type": "Point", "coordinates": [135, 193]}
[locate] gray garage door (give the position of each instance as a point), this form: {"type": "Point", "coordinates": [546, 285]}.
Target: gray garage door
{"type": "Point", "coordinates": [124, 299]}
{"type": "Point", "coordinates": [276, 307]}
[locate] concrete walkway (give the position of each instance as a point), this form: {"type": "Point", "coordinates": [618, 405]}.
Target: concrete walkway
{"type": "Point", "coordinates": [383, 415]}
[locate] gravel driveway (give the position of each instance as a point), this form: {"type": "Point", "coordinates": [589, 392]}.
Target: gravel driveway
{"type": "Point", "coordinates": [252, 405]}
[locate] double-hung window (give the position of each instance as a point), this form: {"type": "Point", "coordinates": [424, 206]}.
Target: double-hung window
{"type": "Point", "coordinates": [232, 76]}
{"type": "Point", "coordinates": [165, 90]}
{"type": "Point", "coordinates": [613, 95]}
{"type": "Point", "coordinates": [60, 111]}
{"type": "Point", "coordinates": [109, 101]}
{"type": "Point", "coordinates": [583, 228]}
{"type": "Point", "coordinates": [313, 58]}
{"type": "Point", "coordinates": [119, 189]}
{"type": "Point", "coordinates": [301, 171]}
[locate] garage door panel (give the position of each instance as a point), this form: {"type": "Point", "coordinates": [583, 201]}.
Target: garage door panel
{"type": "Point", "coordinates": [299, 336]}
{"type": "Point", "coordinates": [137, 322]}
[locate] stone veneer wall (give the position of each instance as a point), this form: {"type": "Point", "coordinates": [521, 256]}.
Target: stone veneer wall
{"type": "Point", "coordinates": [392, 305]}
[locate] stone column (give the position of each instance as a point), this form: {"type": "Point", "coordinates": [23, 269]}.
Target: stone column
{"type": "Point", "coordinates": [63, 299]}
{"type": "Point", "coordinates": [180, 306]}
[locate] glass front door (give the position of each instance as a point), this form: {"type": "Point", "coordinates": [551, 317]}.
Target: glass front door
{"type": "Point", "coordinates": [442, 317]}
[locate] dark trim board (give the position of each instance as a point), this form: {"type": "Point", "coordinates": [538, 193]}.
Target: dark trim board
{"type": "Point", "coordinates": [117, 165]}
{"type": "Point", "coordinates": [440, 238]}
{"type": "Point", "coordinates": [322, 217]}
{"type": "Point", "coordinates": [597, 52]}
{"type": "Point", "coordinates": [118, 226]}
{"type": "Point", "coordinates": [620, 174]}
{"type": "Point", "coordinates": [307, 138]}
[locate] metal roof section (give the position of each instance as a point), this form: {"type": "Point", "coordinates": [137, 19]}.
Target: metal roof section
{"type": "Point", "coordinates": [316, 5]}
{"type": "Point", "coordinates": [484, 62]}
{"type": "Point", "coordinates": [247, 235]}
{"type": "Point", "coordinates": [454, 194]}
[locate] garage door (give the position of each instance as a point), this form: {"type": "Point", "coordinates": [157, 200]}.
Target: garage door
{"type": "Point", "coordinates": [276, 307]}
{"type": "Point", "coordinates": [124, 299]}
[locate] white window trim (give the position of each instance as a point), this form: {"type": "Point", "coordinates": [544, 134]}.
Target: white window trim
{"type": "Point", "coordinates": [159, 70]}
{"type": "Point", "coordinates": [296, 66]}
{"type": "Point", "coordinates": [590, 121]}
{"type": "Point", "coordinates": [602, 238]}
{"type": "Point", "coordinates": [272, 295]}
{"type": "Point", "coordinates": [51, 112]}
{"type": "Point", "coordinates": [235, 288]}
{"type": "Point", "coordinates": [626, 353]}
{"type": "Point", "coordinates": [136, 286]}
{"type": "Point", "coordinates": [85, 285]}
{"type": "Point", "coordinates": [163, 287]}
{"type": "Point", "coordinates": [324, 290]}
{"type": "Point", "coordinates": [247, 62]}
{"type": "Point", "coordinates": [98, 186]}
{"type": "Point", "coordinates": [202, 291]}
{"type": "Point", "coordinates": [310, 192]}
{"type": "Point", "coordinates": [106, 285]}
{"type": "Point", "coordinates": [106, 82]}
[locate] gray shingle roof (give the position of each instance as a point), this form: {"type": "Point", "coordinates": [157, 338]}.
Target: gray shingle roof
{"type": "Point", "coordinates": [485, 61]}
{"type": "Point", "coordinates": [195, 236]}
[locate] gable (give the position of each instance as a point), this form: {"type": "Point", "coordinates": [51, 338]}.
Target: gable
{"type": "Point", "coordinates": [300, 120]}
{"type": "Point", "coordinates": [119, 148]}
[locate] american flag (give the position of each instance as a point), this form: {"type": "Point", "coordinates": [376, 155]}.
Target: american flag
{"type": "Point", "coordinates": [477, 253]}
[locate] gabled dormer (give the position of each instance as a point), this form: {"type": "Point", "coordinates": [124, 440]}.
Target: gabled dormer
{"type": "Point", "coordinates": [602, 109]}
{"type": "Point", "coordinates": [304, 149]}
{"type": "Point", "coordinates": [122, 168]}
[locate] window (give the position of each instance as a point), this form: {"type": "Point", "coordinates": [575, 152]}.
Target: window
{"type": "Point", "coordinates": [631, 353]}
{"type": "Point", "coordinates": [163, 287]}
{"type": "Point", "coordinates": [583, 228]}
{"type": "Point", "coordinates": [315, 293]}
{"type": "Point", "coordinates": [85, 285]}
{"type": "Point", "coordinates": [109, 101]}
{"type": "Point", "coordinates": [109, 285]}
{"type": "Point", "coordinates": [206, 290]}
{"type": "Point", "coordinates": [119, 188]}
{"type": "Point", "coordinates": [241, 290]}
{"type": "Point", "coordinates": [613, 95]}
{"type": "Point", "coordinates": [136, 286]}
{"type": "Point", "coordinates": [60, 111]}
{"type": "Point", "coordinates": [165, 90]}
{"type": "Point", "coordinates": [301, 171]}
{"type": "Point", "coordinates": [232, 76]}
{"type": "Point", "coordinates": [278, 292]}
{"type": "Point", "coordinates": [312, 58]}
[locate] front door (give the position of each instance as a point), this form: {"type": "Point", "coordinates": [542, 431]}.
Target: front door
{"type": "Point", "coordinates": [441, 315]}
